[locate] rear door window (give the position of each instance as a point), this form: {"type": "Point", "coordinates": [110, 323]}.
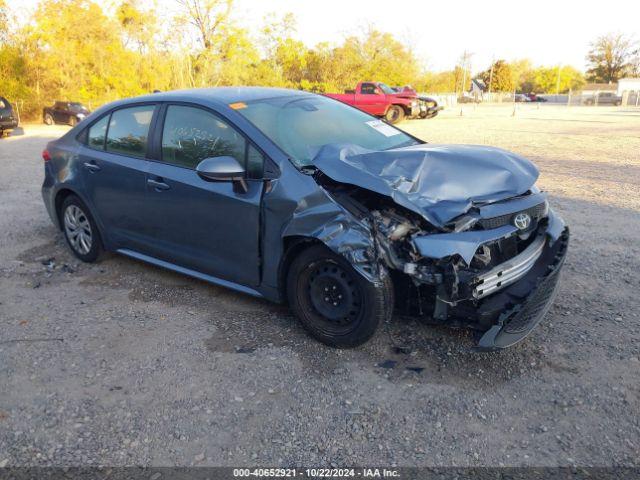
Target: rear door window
{"type": "Point", "coordinates": [129, 130]}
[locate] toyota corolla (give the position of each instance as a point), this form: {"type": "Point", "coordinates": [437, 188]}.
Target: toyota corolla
{"type": "Point", "coordinates": [299, 198]}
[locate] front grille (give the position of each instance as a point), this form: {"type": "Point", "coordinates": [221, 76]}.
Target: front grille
{"type": "Point", "coordinates": [510, 271]}
{"type": "Point", "coordinates": [536, 305]}
{"type": "Point", "coordinates": [536, 212]}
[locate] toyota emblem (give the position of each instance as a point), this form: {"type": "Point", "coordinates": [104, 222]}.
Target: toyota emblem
{"type": "Point", "coordinates": [522, 221]}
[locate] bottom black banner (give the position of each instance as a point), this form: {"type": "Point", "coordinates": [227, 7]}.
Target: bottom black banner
{"type": "Point", "coordinates": [402, 473]}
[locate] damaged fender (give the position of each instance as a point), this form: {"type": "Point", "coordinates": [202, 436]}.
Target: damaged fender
{"type": "Point", "coordinates": [319, 216]}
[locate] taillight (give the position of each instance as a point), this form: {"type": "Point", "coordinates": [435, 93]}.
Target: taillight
{"type": "Point", "coordinates": [45, 155]}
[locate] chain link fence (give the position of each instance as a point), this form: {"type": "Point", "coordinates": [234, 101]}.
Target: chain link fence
{"type": "Point", "coordinates": [627, 99]}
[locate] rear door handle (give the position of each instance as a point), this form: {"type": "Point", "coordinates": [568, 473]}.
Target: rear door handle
{"type": "Point", "coordinates": [157, 184]}
{"type": "Point", "coordinates": [92, 167]}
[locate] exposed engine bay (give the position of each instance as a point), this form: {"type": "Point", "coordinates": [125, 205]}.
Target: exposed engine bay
{"type": "Point", "coordinates": [464, 233]}
{"type": "Point", "coordinates": [450, 288]}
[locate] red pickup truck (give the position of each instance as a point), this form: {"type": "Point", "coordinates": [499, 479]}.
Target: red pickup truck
{"type": "Point", "coordinates": [381, 100]}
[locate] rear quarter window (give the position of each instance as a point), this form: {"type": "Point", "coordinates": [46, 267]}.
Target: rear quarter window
{"type": "Point", "coordinates": [98, 133]}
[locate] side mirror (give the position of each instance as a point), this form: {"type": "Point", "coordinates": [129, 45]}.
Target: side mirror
{"type": "Point", "coordinates": [220, 169]}
{"type": "Point", "coordinates": [223, 169]}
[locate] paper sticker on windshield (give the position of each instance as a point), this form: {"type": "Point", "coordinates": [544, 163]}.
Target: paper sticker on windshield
{"type": "Point", "coordinates": [383, 128]}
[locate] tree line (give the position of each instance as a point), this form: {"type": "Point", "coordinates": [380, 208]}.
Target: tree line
{"type": "Point", "coordinates": [81, 51]}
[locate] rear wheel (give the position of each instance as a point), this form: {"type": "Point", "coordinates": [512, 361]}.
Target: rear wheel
{"type": "Point", "coordinates": [335, 303]}
{"type": "Point", "coordinates": [80, 230]}
{"type": "Point", "coordinates": [48, 119]}
{"type": "Point", "coordinates": [394, 114]}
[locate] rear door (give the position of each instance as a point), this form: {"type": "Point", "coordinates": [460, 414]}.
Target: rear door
{"type": "Point", "coordinates": [210, 227]}
{"type": "Point", "coordinates": [114, 167]}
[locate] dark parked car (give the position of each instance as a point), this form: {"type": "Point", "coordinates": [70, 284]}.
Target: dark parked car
{"type": "Point", "coordinates": [8, 118]}
{"type": "Point", "coordinates": [69, 113]}
{"type": "Point", "coordinates": [535, 97]}
{"type": "Point", "coordinates": [299, 198]}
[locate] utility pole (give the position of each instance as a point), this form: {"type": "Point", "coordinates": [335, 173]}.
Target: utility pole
{"type": "Point", "coordinates": [465, 60]}
{"type": "Point", "coordinates": [493, 61]}
{"type": "Point", "coordinates": [558, 81]}
{"type": "Point", "coordinates": [464, 70]}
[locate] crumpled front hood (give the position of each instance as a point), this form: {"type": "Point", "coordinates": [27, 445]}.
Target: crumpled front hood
{"type": "Point", "coordinates": [439, 182]}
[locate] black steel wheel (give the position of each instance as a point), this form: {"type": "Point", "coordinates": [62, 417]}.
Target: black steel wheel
{"type": "Point", "coordinates": [336, 304]}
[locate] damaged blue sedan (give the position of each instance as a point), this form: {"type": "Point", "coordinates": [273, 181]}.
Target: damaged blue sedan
{"type": "Point", "coordinates": [299, 198]}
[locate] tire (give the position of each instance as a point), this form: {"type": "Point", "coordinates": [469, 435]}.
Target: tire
{"type": "Point", "coordinates": [48, 119]}
{"type": "Point", "coordinates": [73, 121]}
{"type": "Point", "coordinates": [395, 114]}
{"type": "Point", "coordinates": [353, 307]}
{"type": "Point", "coordinates": [80, 230]}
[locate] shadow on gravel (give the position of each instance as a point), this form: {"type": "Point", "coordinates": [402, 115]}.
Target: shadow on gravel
{"type": "Point", "coordinates": [13, 133]}
{"type": "Point", "coordinates": [406, 350]}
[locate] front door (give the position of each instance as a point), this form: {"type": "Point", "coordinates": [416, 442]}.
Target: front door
{"type": "Point", "coordinates": [371, 99]}
{"type": "Point", "coordinates": [210, 227]}
{"type": "Point", "coordinates": [59, 112]}
{"type": "Point", "coordinates": [114, 170]}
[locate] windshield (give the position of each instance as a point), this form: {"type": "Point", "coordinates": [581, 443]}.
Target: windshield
{"type": "Point", "coordinates": [76, 107]}
{"type": "Point", "coordinates": [300, 126]}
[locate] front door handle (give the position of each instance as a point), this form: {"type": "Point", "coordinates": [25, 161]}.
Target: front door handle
{"type": "Point", "coordinates": [92, 167]}
{"type": "Point", "coordinates": [158, 185]}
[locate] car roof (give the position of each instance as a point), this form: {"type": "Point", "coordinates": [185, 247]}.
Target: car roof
{"type": "Point", "coordinates": [223, 95]}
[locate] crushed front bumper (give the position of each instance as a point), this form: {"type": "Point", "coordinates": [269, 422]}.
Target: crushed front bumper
{"type": "Point", "coordinates": [517, 309]}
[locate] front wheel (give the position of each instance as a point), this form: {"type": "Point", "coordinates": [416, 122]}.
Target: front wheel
{"type": "Point", "coordinates": [80, 230]}
{"type": "Point", "coordinates": [394, 114]}
{"type": "Point", "coordinates": [48, 119]}
{"type": "Point", "coordinates": [73, 121]}
{"type": "Point", "coordinates": [334, 303]}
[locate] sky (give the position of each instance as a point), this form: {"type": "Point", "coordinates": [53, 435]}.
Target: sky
{"type": "Point", "coordinates": [548, 32]}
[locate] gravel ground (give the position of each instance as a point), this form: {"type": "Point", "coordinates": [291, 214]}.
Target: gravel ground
{"type": "Point", "coordinates": [121, 363]}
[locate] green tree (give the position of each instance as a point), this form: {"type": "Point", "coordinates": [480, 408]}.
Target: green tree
{"type": "Point", "coordinates": [557, 79]}
{"type": "Point", "coordinates": [611, 57]}
{"type": "Point", "coordinates": [439, 82]}
{"type": "Point", "coordinates": [502, 78]}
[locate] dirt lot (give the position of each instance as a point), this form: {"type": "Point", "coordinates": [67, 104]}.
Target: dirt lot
{"type": "Point", "coordinates": [122, 363]}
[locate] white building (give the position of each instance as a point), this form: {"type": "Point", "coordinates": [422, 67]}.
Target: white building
{"type": "Point", "coordinates": [629, 85]}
